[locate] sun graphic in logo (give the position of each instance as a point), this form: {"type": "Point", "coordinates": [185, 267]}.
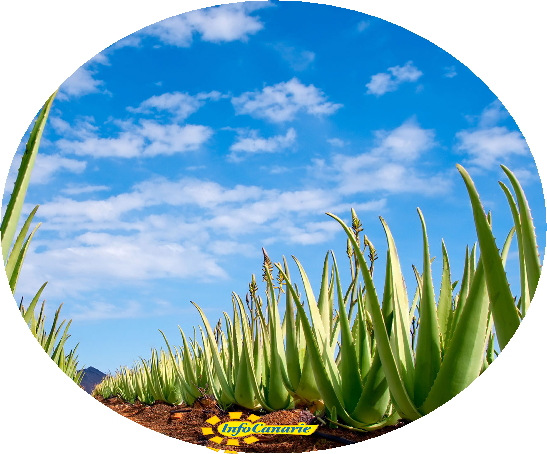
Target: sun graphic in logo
{"type": "Point", "coordinates": [230, 441]}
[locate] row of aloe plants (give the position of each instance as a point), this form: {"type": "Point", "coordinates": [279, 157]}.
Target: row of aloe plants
{"type": "Point", "coordinates": [52, 338]}
{"type": "Point", "coordinates": [366, 360]}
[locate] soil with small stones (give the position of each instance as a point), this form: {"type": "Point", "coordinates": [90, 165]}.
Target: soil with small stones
{"type": "Point", "coordinates": [187, 426]}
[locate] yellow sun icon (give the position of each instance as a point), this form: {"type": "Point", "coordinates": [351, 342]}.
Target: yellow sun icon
{"type": "Point", "coordinates": [234, 415]}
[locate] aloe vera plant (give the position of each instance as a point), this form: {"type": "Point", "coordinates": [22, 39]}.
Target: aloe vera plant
{"type": "Point", "coordinates": [440, 372]}
{"type": "Point", "coordinates": [14, 252]}
{"type": "Point", "coordinates": [367, 359]}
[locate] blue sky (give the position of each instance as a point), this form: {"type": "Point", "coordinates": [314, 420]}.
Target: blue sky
{"type": "Point", "coordinates": [173, 156]}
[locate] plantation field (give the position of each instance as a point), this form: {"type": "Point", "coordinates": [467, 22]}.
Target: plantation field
{"type": "Point", "coordinates": [159, 417]}
{"type": "Point", "coordinates": [356, 343]}
{"type": "Point", "coordinates": [363, 357]}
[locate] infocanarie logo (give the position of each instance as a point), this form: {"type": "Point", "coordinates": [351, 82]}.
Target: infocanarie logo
{"type": "Point", "coordinates": [229, 433]}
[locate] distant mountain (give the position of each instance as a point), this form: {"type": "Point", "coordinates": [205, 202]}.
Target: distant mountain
{"type": "Point", "coordinates": [91, 378]}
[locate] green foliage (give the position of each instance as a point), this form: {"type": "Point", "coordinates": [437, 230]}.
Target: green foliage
{"type": "Point", "coordinates": [362, 360]}
{"type": "Point", "coordinates": [51, 340]}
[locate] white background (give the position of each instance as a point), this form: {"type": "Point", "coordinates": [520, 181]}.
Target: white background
{"type": "Point", "coordinates": [43, 42]}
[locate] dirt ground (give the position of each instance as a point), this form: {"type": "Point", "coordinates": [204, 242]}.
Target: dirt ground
{"type": "Point", "coordinates": [188, 424]}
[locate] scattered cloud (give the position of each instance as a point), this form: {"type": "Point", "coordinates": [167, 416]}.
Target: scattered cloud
{"type": "Point", "coordinates": [492, 114]}
{"type": "Point", "coordinates": [249, 142]}
{"type": "Point", "coordinates": [362, 26]}
{"type": "Point", "coordinates": [382, 83]}
{"type": "Point", "coordinates": [227, 247]}
{"type": "Point", "coordinates": [145, 139]}
{"type": "Point", "coordinates": [525, 176]}
{"type": "Point", "coordinates": [224, 23]}
{"type": "Point", "coordinates": [85, 189]}
{"type": "Point", "coordinates": [276, 169]}
{"type": "Point", "coordinates": [450, 72]}
{"type": "Point", "coordinates": [299, 60]}
{"type": "Point", "coordinates": [102, 311]}
{"type": "Point", "coordinates": [489, 144]}
{"type": "Point", "coordinates": [169, 229]}
{"type": "Point", "coordinates": [46, 166]}
{"type": "Point", "coordinates": [389, 166]}
{"type": "Point", "coordinates": [180, 105]}
{"type": "Point", "coordinates": [82, 128]}
{"type": "Point", "coordinates": [335, 142]}
{"type": "Point", "coordinates": [108, 259]}
{"type": "Point", "coordinates": [81, 83]}
{"type": "Point", "coordinates": [281, 102]}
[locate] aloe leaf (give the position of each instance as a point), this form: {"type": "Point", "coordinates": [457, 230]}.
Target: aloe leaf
{"type": "Point", "coordinates": [323, 301]}
{"type": "Point", "coordinates": [445, 298]}
{"type": "Point", "coordinates": [348, 366]}
{"type": "Point", "coordinates": [524, 288]}
{"type": "Point", "coordinates": [404, 405]}
{"type": "Point", "coordinates": [363, 339]}
{"type": "Point", "coordinates": [307, 387]}
{"type": "Point", "coordinates": [219, 371]}
{"type": "Point", "coordinates": [328, 388]}
{"type": "Point", "coordinates": [312, 304]}
{"type": "Point", "coordinates": [29, 313]}
{"type": "Point", "coordinates": [461, 297]}
{"type": "Point", "coordinates": [277, 395]}
{"type": "Point", "coordinates": [375, 397]}
{"type": "Point", "coordinates": [15, 254]}
{"type": "Point", "coordinates": [400, 326]}
{"type": "Point", "coordinates": [462, 361]}
{"type": "Point", "coordinates": [51, 337]}
{"type": "Point", "coordinates": [505, 314]}
{"type": "Point", "coordinates": [294, 370]}
{"type": "Point", "coordinates": [428, 348]}
{"type": "Point", "coordinates": [14, 278]}
{"type": "Point", "coordinates": [252, 376]}
{"type": "Point", "coordinates": [529, 243]}
{"type": "Point", "coordinates": [17, 198]}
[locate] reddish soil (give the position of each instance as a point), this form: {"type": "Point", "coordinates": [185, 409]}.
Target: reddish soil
{"type": "Point", "coordinates": [187, 426]}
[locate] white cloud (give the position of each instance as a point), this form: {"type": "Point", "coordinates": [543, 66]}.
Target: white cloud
{"type": "Point", "coordinates": [492, 114]}
{"type": "Point", "coordinates": [228, 247]}
{"type": "Point", "coordinates": [46, 166]}
{"type": "Point", "coordinates": [249, 142]}
{"type": "Point", "coordinates": [487, 147]}
{"type": "Point", "coordinates": [171, 139]}
{"type": "Point", "coordinates": [488, 144]}
{"type": "Point", "coordinates": [450, 72]}
{"type": "Point", "coordinates": [362, 26]}
{"type": "Point", "coordinates": [404, 143]}
{"type": "Point", "coordinates": [65, 213]}
{"type": "Point", "coordinates": [389, 166]}
{"type": "Point", "coordinates": [79, 84]}
{"type": "Point", "coordinates": [82, 127]}
{"type": "Point", "coordinates": [281, 102]}
{"type": "Point", "coordinates": [97, 258]}
{"type": "Point", "coordinates": [99, 310]}
{"type": "Point", "coordinates": [299, 60]}
{"type": "Point", "coordinates": [524, 176]}
{"type": "Point", "coordinates": [382, 83]}
{"type": "Point", "coordinates": [393, 178]}
{"type": "Point", "coordinates": [148, 138]}
{"type": "Point", "coordinates": [85, 189]}
{"type": "Point", "coordinates": [335, 142]}
{"type": "Point", "coordinates": [309, 233]}
{"type": "Point", "coordinates": [186, 228]}
{"type": "Point", "coordinates": [181, 105]}
{"type": "Point", "coordinates": [223, 23]}
{"type": "Point", "coordinates": [276, 169]}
